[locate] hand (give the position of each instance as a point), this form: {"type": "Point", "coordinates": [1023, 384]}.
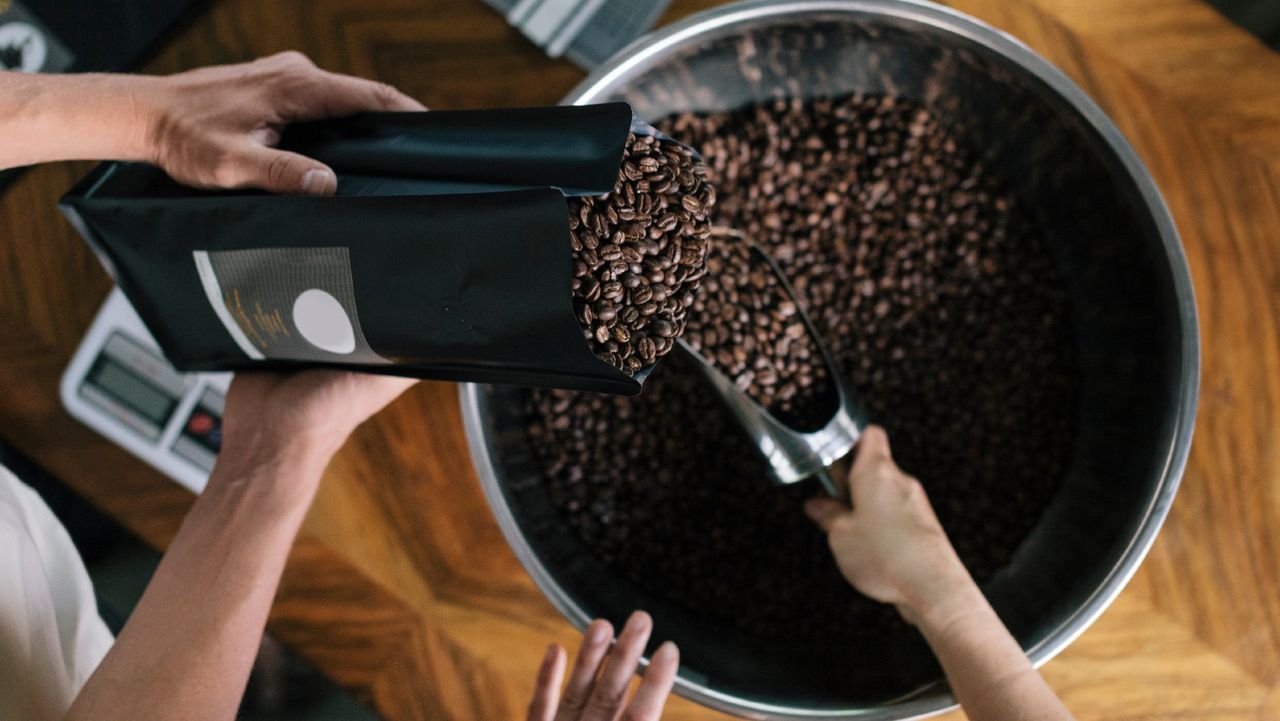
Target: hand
{"type": "Point", "coordinates": [890, 545]}
{"type": "Point", "coordinates": [593, 694]}
{"type": "Point", "coordinates": [215, 127]}
{"type": "Point", "coordinates": [268, 415]}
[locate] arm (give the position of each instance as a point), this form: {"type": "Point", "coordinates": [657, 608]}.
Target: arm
{"type": "Point", "coordinates": [990, 675]}
{"type": "Point", "coordinates": [45, 118]}
{"type": "Point", "coordinates": [212, 127]}
{"type": "Point", "coordinates": [187, 649]}
{"type": "Point", "coordinates": [890, 546]}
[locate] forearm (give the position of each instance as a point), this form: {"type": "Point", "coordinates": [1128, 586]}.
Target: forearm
{"type": "Point", "coordinates": [188, 647]}
{"type": "Point", "coordinates": [987, 669]}
{"type": "Point", "coordinates": [46, 118]}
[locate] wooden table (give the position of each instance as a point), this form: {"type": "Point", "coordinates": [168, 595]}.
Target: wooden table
{"type": "Point", "coordinates": [401, 587]}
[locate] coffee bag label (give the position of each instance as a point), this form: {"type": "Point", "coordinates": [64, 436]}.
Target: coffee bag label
{"type": "Point", "coordinates": [287, 303]}
{"type": "Point", "coordinates": [26, 45]}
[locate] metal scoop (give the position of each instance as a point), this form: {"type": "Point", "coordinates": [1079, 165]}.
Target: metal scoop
{"type": "Point", "coordinates": [792, 455]}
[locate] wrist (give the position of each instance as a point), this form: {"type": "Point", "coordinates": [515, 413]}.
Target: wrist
{"type": "Point", "coordinates": [275, 469]}
{"type": "Point", "coordinates": [49, 118]}
{"type": "Point", "coordinates": [946, 592]}
{"type": "Point", "coordinates": [130, 108]}
{"type": "Point", "coordinates": [87, 117]}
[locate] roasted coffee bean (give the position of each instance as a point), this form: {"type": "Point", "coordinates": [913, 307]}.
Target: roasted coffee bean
{"type": "Point", "coordinates": [665, 329]}
{"type": "Point", "coordinates": [639, 245]}
{"type": "Point", "coordinates": [746, 310]}
{"type": "Point", "coordinates": [971, 368]}
{"type": "Point", "coordinates": [646, 348]}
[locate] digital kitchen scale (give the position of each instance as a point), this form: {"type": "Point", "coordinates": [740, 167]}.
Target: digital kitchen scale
{"type": "Point", "coordinates": [120, 385]}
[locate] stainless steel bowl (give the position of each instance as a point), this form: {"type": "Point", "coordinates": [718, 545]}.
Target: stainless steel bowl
{"type": "Point", "coordinates": [1133, 314]}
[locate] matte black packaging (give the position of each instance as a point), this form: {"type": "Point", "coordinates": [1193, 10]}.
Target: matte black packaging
{"type": "Point", "coordinates": [445, 253]}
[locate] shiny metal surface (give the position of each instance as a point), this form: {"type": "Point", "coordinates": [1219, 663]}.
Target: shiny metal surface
{"type": "Point", "coordinates": [1137, 326]}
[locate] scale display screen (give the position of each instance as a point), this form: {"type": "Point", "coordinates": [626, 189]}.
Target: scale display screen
{"type": "Point", "coordinates": [120, 384]}
{"type": "Point", "coordinates": [124, 386]}
{"type": "Point", "coordinates": [135, 385]}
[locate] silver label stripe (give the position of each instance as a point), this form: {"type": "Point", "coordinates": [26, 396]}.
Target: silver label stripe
{"type": "Point", "coordinates": [213, 291]}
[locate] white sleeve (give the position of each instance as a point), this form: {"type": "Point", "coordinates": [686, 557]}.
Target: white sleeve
{"type": "Point", "coordinates": [51, 636]}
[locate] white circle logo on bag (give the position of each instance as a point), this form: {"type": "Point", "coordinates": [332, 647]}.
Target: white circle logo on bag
{"type": "Point", "coordinates": [22, 47]}
{"type": "Point", "coordinates": [323, 322]}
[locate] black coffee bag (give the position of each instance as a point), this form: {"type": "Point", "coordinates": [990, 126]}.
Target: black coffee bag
{"type": "Point", "coordinates": [446, 252]}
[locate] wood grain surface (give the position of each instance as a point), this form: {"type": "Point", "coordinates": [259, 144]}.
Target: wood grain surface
{"type": "Point", "coordinates": [402, 588]}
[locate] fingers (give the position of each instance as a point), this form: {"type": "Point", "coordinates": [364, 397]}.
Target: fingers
{"type": "Point", "coordinates": [597, 694]}
{"type": "Point", "coordinates": [546, 695]}
{"type": "Point", "coordinates": [278, 171]}
{"type": "Point", "coordinates": [872, 457]}
{"type": "Point", "coordinates": [839, 472]}
{"type": "Point", "coordinates": [336, 95]}
{"type": "Point", "coordinates": [825, 511]}
{"type": "Point", "coordinates": [652, 695]}
{"type": "Point", "coordinates": [285, 58]}
{"type": "Point", "coordinates": [873, 447]}
{"type": "Point", "coordinates": [872, 453]}
{"type": "Point", "coordinates": [375, 391]}
{"type": "Point", "coordinates": [324, 94]}
{"type": "Point", "coordinates": [611, 688]}
{"type": "Point", "coordinates": [394, 386]}
{"type": "Point", "coordinates": [595, 643]}
{"type": "Point", "coordinates": [292, 88]}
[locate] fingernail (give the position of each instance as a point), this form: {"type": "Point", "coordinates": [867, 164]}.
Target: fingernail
{"type": "Point", "coordinates": [811, 510]}
{"type": "Point", "coordinates": [636, 623]}
{"type": "Point", "coordinates": [666, 651]}
{"type": "Point", "coordinates": [550, 657]}
{"type": "Point", "coordinates": [599, 634]}
{"type": "Point", "coordinates": [317, 181]}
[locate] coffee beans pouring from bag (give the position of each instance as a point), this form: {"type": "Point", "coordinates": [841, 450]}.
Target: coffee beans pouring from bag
{"type": "Point", "coordinates": [640, 252]}
{"type": "Point", "coordinates": [745, 324]}
{"type": "Point", "coordinates": [935, 294]}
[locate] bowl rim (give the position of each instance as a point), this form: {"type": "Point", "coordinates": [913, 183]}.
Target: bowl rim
{"type": "Point", "coordinates": [933, 698]}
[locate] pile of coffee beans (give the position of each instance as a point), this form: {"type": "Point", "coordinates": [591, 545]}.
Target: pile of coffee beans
{"type": "Point", "coordinates": [933, 289]}
{"type": "Point", "coordinates": [666, 489]}
{"type": "Point", "coordinates": [640, 252]}
{"type": "Point", "coordinates": [746, 325]}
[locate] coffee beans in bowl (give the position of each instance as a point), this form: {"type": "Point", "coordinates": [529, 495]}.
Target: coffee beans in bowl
{"type": "Point", "coordinates": [933, 290]}
{"type": "Point", "coordinates": [1042, 389]}
{"type": "Point", "coordinates": [640, 252]}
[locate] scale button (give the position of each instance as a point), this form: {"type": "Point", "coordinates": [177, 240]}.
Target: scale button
{"type": "Point", "coordinates": [200, 423]}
